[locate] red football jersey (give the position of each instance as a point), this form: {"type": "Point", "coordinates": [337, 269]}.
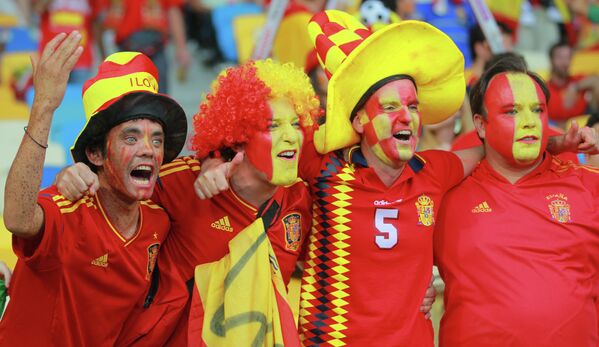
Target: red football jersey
{"type": "Point", "coordinates": [136, 15]}
{"type": "Point", "coordinates": [369, 257]}
{"type": "Point", "coordinates": [69, 15]}
{"type": "Point", "coordinates": [77, 282]}
{"type": "Point", "coordinates": [200, 233]}
{"type": "Point", "coordinates": [519, 260]}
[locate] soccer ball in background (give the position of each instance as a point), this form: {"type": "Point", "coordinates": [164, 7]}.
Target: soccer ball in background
{"type": "Point", "coordinates": [374, 12]}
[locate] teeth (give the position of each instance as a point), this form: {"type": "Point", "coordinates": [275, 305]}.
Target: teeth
{"type": "Point", "coordinates": [405, 132]}
{"type": "Point", "coordinates": [140, 180]}
{"type": "Point", "coordinates": [144, 167]}
{"type": "Point", "coordinates": [287, 154]}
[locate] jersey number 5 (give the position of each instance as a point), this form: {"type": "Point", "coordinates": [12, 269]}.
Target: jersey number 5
{"type": "Point", "coordinates": [386, 236]}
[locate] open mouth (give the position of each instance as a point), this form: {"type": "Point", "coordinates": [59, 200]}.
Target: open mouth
{"type": "Point", "coordinates": [141, 174]}
{"type": "Point", "coordinates": [403, 135]}
{"type": "Point", "coordinates": [287, 155]}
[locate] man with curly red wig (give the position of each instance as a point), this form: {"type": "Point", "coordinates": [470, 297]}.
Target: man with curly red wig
{"type": "Point", "coordinates": [261, 109]}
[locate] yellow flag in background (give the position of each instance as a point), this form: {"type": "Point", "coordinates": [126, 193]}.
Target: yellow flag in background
{"type": "Point", "coordinates": [244, 297]}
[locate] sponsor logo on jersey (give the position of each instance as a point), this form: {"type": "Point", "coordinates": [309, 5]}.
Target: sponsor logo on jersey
{"type": "Point", "coordinates": [293, 230]}
{"type": "Point", "coordinates": [426, 213]}
{"type": "Point", "coordinates": [152, 255]}
{"type": "Point", "coordinates": [101, 261]}
{"type": "Point", "coordinates": [560, 210]}
{"type": "Point", "coordinates": [385, 202]}
{"type": "Point", "coordinates": [222, 224]}
{"type": "Point", "coordinates": [483, 207]}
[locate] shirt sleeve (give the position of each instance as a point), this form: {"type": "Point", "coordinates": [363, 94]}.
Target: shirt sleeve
{"type": "Point", "coordinates": [42, 251]}
{"type": "Point", "coordinates": [175, 183]}
{"type": "Point", "coordinates": [446, 167]}
{"type": "Point", "coordinates": [590, 178]}
{"type": "Point", "coordinates": [310, 161]}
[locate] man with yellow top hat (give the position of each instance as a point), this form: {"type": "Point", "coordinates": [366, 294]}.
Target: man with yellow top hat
{"type": "Point", "coordinates": [369, 257]}
{"type": "Point", "coordinates": [84, 264]}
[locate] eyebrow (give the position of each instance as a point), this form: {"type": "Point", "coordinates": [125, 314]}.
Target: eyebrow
{"type": "Point", "coordinates": [136, 131]}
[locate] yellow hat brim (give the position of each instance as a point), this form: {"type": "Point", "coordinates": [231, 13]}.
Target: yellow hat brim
{"type": "Point", "coordinates": [411, 48]}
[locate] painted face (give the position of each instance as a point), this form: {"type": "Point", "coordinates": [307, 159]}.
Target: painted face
{"type": "Point", "coordinates": [517, 118]}
{"type": "Point", "coordinates": [276, 151]}
{"type": "Point", "coordinates": [134, 153]}
{"type": "Point", "coordinates": [391, 122]}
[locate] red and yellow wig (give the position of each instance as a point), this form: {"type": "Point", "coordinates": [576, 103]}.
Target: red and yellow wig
{"type": "Point", "coordinates": [237, 108]}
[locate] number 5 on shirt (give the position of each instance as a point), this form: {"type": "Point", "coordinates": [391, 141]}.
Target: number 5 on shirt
{"type": "Point", "coordinates": [386, 236]}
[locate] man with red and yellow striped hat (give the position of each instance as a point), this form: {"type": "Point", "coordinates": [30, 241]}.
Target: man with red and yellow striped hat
{"type": "Point", "coordinates": [369, 257]}
{"type": "Point", "coordinates": [84, 264]}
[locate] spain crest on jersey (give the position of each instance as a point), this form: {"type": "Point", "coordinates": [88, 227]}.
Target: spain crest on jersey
{"type": "Point", "coordinates": [426, 213]}
{"type": "Point", "coordinates": [152, 256]}
{"type": "Point", "coordinates": [293, 231]}
{"type": "Point", "coordinates": [560, 210]}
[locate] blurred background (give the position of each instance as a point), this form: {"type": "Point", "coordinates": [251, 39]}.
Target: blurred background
{"type": "Point", "coordinates": [191, 41]}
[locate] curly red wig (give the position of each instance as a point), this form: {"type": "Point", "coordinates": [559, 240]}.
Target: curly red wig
{"type": "Point", "coordinates": [238, 107]}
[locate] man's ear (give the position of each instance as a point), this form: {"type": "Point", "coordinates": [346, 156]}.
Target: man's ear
{"type": "Point", "coordinates": [95, 157]}
{"type": "Point", "coordinates": [479, 125]}
{"type": "Point", "coordinates": [357, 122]}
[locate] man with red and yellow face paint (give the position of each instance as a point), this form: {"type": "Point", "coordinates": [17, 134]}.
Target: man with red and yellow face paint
{"type": "Point", "coordinates": [520, 260]}
{"type": "Point", "coordinates": [69, 250]}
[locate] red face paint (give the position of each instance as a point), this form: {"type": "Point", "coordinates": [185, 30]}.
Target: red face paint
{"type": "Point", "coordinates": [391, 122]}
{"type": "Point", "coordinates": [516, 118]}
{"type": "Point", "coordinates": [134, 153]}
{"type": "Point", "coordinates": [276, 152]}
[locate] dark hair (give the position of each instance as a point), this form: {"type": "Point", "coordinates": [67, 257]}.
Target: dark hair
{"type": "Point", "coordinates": [476, 35]}
{"type": "Point", "coordinates": [96, 143]}
{"type": "Point", "coordinates": [505, 62]}
{"type": "Point", "coordinates": [557, 45]}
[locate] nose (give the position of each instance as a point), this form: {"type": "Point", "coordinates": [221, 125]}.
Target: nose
{"type": "Point", "coordinates": [290, 134]}
{"type": "Point", "coordinates": [529, 119]}
{"type": "Point", "coordinates": [145, 148]}
{"type": "Point", "coordinates": [404, 116]}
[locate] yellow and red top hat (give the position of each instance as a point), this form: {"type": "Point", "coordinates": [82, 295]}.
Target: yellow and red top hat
{"type": "Point", "coordinates": [126, 88]}
{"type": "Point", "coordinates": [358, 62]}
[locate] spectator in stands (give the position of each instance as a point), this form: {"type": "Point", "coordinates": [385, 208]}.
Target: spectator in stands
{"type": "Point", "coordinates": [571, 96]}
{"type": "Point", "coordinates": [481, 51]}
{"type": "Point", "coordinates": [85, 16]}
{"type": "Point", "coordinates": [144, 26]}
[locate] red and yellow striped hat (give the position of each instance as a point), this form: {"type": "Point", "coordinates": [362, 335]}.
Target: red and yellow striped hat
{"type": "Point", "coordinates": [126, 88]}
{"type": "Point", "coordinates": [358, 62]}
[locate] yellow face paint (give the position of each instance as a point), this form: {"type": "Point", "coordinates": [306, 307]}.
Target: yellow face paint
{"type": "Point", "coordinates": [391, 122]}
{"type": "Point", "coordinates": [276, 151]}
{"type": "Point", "coordinates": [517, 117]}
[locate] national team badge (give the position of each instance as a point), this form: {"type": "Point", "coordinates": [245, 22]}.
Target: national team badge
{"type": "Point", "coordinates": [426, 212]}
{"type": "Point", "coordinates": [152, 256]}
{"type": "Point", "coordinates": [560, 210]}
{"type": "Point", "coordinates": [293, 231]}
